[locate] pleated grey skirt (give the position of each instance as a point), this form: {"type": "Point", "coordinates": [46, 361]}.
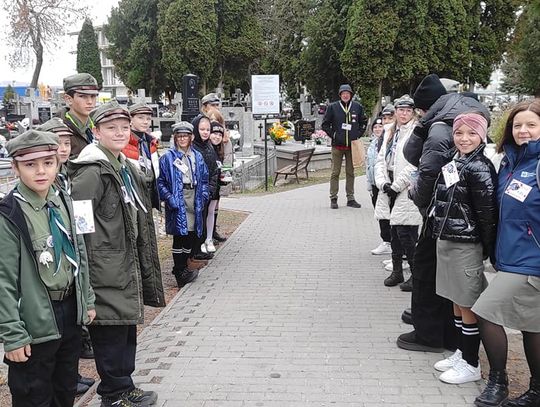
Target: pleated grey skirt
{"type": "Point", "coordinates": [460, 272]}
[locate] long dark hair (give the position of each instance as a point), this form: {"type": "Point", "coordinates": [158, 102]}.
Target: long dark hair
{"type": "Point", "coordinates": [508, 136]}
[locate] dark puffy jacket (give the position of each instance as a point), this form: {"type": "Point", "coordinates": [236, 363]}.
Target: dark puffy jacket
{"type": "Point", "coordinates": [170, 188]}
{"type": "Point", "coordinates": [208, 153]}
{"type": "Point", "coordinates": [428, 146]}
{"type": "Point", "coordinates": [467, 211]}
{"type": "Point", "coordinates": [335, 117]}
{"type": "Point", "coordinates": [518, 235]}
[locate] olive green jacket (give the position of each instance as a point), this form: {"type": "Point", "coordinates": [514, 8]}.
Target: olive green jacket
{"type": "Point", "coordinates": [124, 265]}
{"type": "Point", "coordinates": [26, 311]}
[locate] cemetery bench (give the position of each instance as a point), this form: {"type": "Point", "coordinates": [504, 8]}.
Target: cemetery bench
{"type": "Point", "coordinates": [301, 160]}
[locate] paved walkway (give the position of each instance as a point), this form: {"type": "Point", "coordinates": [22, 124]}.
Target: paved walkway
{"type": "Point", "coordinates": [292, 312]}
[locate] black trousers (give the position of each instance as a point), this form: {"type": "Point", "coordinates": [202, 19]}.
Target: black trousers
{"type": "Point", "coordinates": [49, 377]}
{"type": "Point", "coordinates": [114, 353]}
{"type": "Point", "coordinates": [433, 316]}
{"type": "Point", "coordinates": [183, 248]}
{"type": "Point", "coordinates": [403, 242]}
{"type": "Point", "coordinates": [384, 224]}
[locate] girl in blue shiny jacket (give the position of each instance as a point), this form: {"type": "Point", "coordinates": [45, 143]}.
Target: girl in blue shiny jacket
{"type": "Point", "coordinates": [183, 186]}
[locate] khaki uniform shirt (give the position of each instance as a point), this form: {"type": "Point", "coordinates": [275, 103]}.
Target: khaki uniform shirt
{"type": "Point", "coordinates": [37, 219]}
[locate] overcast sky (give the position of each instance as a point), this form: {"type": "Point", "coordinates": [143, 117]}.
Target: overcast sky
{"type": "Point", "coordinates": [57, 62]}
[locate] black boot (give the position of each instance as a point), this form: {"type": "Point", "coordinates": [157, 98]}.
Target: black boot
{"type": "Point", "coordinates": [531, 398]}
{"type": "Point", "coordinates": [406, 286]}
{"type": "Point", "coordinates": [185, 276]}
{"type": "Point", "coordinates": [394, 279]}
{"type": "Point", "coordinates": [495, 392]}
{"type": "Point", "coordinates": [406, 316]}
{"type": "Point", "coordinates": [333, 203]}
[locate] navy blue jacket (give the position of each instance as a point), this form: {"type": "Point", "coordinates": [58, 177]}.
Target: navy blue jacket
{"type": "Point", "coordinates": [171, 191]}
{"type": "Point", "coordinates": [518, 234]}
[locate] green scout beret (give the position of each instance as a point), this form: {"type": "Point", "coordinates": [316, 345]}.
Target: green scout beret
{"type": "Point", "coordinates": [109, 111]}
{"type": "Point", "coordinates": [182, 127]}
{"type": "Point", "coordinates": [56, 125]}
{"type": "Point", "coordinates": [81, 83]}
{"type": "Point", "coordinates": [33, 144]}
{"type": "Point", "coordinates": [139, 108]}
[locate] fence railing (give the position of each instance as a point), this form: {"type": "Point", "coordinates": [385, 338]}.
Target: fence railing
{"type": "Point", "coordinates": [250, 175]}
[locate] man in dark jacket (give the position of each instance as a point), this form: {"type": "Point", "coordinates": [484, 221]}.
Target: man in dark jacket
{"type": "Point", "coordinates": [344, 121]}
{"type": "Point", "coordinates": [427, 149]}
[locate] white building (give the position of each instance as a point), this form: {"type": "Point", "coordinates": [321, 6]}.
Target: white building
{"type": "Point", "coordinates": [111, 83]}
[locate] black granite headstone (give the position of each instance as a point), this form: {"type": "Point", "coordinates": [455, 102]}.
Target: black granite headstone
{"type": "Point", "coordinates": [190, 97]}
{"type": "Point", "coordinates": [304, 129]}
{"type": "Point", "coordinates": [166, 130]}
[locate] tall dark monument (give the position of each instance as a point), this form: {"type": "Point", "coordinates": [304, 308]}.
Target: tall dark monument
{"type": "Point", "coordinates": [190, 97]}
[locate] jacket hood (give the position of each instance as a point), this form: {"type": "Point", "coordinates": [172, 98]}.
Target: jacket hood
{"type": "Point", "coordinates": [447, 107]}
{"type": "Point", "coordinates": [197, 136]}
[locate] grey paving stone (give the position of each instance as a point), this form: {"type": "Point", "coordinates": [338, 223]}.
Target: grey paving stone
{"type": "Point", "coordinates": [292, 312]}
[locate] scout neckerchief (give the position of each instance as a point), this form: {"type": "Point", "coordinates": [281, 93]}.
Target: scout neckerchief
{"type": "Point", "coordinates": [130, 189]}
{"type": "Point", "coordinates": [347, 119]}
{"type": "Point", "coordinates": [61, 240]}
{"type": "Point", "coordinates": [145, 158]}
{"type": "Point", "coordinates": [88, 132]}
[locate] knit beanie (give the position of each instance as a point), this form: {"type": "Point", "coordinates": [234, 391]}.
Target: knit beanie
{"type": "Point", "coordinates": [216, 127]}
{"type": "Point", "coordinates": [427, 93]}
{"type": "Point", "coordinates": [378, 120]}
{"type": "Point", "coordinates": [475, 121]}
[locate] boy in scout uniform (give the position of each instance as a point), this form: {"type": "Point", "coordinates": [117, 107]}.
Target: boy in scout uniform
{"type": "Point", "coordinates": [45, 293]}
{"type": "Point", "coordinates": [64, 133]}
{"type": "Point", "coordinates": [124, 268]}
{"type": "Point", "coordinates": [81, 91]}
{"type": "Point", "coordinates": [142, 150]}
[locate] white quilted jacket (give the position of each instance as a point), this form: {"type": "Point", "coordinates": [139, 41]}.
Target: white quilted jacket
{"type": "Point", "coordinates": [405, 211]}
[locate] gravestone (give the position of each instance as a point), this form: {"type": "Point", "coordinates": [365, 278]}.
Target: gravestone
{"type": "Point", "coordinates": [44, 113]}
{"type": "Point", "coordinates": [165, 126]}
{"type": "Point", "coordinates": [304, 130]}
{"type": "Point", "coordinates": [190, 97]}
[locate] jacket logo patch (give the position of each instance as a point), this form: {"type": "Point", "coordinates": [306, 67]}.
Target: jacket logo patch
{"type": "Point", "coordinates": [526, 174]}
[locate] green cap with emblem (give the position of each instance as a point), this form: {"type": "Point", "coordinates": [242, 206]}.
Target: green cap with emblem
{"type": "Point", "coordinates": [33, 144]}
{"type": "Point", "coordinates": [56, 125]}
{"type": "Point", "coordinates": [139, 108]}
{"type": "Point", "coordinates": [109, 111]}
{"type": "Point", "coordinates": [81, 83]}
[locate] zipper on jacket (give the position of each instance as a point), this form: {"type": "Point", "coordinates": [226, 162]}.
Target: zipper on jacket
{"type": "Point", "coordinates": [531, 233]}
{"type": "Point", "coordinates": [469, 227]}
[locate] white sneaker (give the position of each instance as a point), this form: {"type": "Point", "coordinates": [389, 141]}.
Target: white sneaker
{"type": "Point", "coordinates": [383, 248]}
{"type": "Point", "coordinates": [390, 266]}
{"type": "Point", "coordinates": [385, 262]}
{"type": "Point", "coordinates": [461, 373]}
{"type": "Point", "coordinates": [210, 248]}
{"type": "Point", "coordinates": [203, 248]}
{"type": "Point", "coordinates": [449, 362]}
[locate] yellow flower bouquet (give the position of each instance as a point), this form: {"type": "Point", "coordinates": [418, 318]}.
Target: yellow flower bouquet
{"type": "Point", "coordinates": [278, 133]}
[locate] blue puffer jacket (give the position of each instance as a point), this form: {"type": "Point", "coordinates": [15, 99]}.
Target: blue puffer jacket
{"type": "Point", "coordinates": [171, 188]}
{"type": "Point", "coordinates": [518, 234]}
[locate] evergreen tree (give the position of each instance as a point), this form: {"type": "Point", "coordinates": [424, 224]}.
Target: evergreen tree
{"type": "Point", "coordinates": [188, 33]}
{"type": "Point", "coordinates": [285, 42]}
{"type": "Point", "coordinates": [325, 33]}
{"type": "Point", "coordinates": [9, 95]}
{"type": "Point", "coordinates": [135, 51]}
{"type": "Point", "coordinates": [490, 40]}
{"type": "Point", "coordinates": [240, 42]}
{"type": "Point", "coordinates": [88, 59]}
{"type": "Point", "coordinates": [369, 47]}
{"type": "Point", "coordinates": [523, 62]}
